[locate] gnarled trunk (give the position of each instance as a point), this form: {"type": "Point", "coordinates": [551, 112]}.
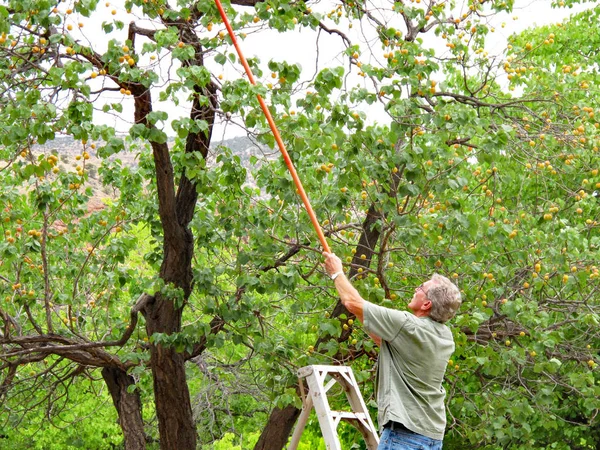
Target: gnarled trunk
{"type": "Point", "coordinates": [171, 394]}
{"type": "Point", "coordinates": [175, 419]}
{"type": "Point", "coordinates": [278, 429]}
{"type": "Point", "coordinates": [128, 406]}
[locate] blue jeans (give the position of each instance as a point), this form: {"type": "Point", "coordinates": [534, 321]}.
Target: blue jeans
{"type": "Point", "coordinates": [406, 440]}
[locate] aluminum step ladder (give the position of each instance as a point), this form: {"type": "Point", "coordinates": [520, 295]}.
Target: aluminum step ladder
{"type": "Point", "coordinates": [318, 386]}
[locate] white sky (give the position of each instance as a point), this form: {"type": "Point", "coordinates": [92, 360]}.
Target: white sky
{"type": "Point", "coordinates": [299, 46]}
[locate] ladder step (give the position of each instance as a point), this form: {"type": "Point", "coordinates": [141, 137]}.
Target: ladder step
{"type": "Point", "coordinates": [348, 415]}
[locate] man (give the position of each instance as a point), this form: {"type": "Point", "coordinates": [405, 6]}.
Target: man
{"type": "Point", "coordinates": [414, 352]}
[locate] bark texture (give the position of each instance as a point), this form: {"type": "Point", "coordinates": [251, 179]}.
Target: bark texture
{"type": "Point", "coordinates": [128, 406]}
{"type": "Point", "coordinates": [279, 427]}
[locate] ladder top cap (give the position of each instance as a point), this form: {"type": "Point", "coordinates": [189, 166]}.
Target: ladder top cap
{"type": "Point", "coordinates": [307, 370]}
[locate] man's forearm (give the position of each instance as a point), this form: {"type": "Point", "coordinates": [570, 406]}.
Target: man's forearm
{"type": "Point", "coordinates": [349, 296]}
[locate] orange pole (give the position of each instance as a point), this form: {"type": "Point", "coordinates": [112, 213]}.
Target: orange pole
{"type": "Point", "coordinates": [282, 149]}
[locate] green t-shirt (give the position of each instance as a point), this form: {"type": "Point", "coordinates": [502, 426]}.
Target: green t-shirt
{"type": "Point", "coordinates": [413, 358]}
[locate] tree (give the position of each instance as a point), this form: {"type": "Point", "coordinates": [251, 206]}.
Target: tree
{"type": "Point", "coordinates": [468, 205]}
{"type": "Point", "coordinates": [460, 173]}
{"type": "Point", "coordinates": [45, 60]}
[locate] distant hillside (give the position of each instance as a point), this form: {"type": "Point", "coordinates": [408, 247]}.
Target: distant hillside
{"type": "Point", "coordinates": [66, 147]}
{"type": "Point", "coordinates": [244, 147]}
{"type": "Point", "coordinates": [69, 153]}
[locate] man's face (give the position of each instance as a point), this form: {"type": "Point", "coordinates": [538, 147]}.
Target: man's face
{"type": "Point", "coordinates": [420, 303]}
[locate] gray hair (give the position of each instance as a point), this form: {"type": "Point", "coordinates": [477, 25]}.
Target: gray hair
{"type": "Point", "coordinates": [444, 297]}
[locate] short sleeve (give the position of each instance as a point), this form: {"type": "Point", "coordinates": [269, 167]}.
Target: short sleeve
{"type": "Point", "coordinates": [383, 322]}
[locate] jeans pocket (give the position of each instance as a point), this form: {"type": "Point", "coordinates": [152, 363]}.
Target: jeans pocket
{"type": "Point", "coordinates": [406, 441]}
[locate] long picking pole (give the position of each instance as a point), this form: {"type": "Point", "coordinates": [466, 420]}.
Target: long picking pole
{"type": "Point", "coordinates": [282, 149]}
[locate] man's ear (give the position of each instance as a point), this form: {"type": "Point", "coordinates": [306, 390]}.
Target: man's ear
{"type": "Point", "coordinates": [426, 306]}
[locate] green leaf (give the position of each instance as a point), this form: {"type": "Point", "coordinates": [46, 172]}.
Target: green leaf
{"type": "Point", "coordinates": [158, 136]}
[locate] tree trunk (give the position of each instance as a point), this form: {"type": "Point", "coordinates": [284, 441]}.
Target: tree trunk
{"type": "Point", "coordinates": [175, 418]}
{"type": "Point", "coordinates": [163, 315]}
{"type": "Point", "coordinates": [279, 428]}
{"type": "Point", "coordinates": [128, 405]}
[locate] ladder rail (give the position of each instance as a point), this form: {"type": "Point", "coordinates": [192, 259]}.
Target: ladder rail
{"type": "Point", "coordinates": [302, 421]}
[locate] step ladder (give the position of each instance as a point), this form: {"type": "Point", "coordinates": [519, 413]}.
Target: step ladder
{"type": "Point", "coordinates": [316, 377]}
